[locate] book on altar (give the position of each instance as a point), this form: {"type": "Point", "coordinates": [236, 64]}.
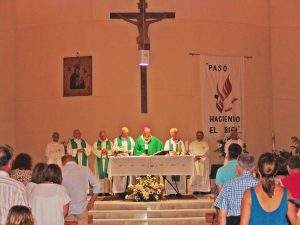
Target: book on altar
{"type": "Point", "coordinates": [163, 152]}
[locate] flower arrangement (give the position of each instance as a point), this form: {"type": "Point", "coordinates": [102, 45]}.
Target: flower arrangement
{"type": "Point", "coordinates": [220, 147]}
{"type": "Point", "coordinates": [220, 150]}
{"type": "Point", "coordinates": [146, 188]}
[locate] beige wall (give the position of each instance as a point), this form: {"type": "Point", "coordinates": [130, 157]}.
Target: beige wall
{"type": "Point", "coordinates": [7, 64]}
{"type": "Point", "coordinates": [285, 69]}
{"type": "Point", "coordinates": [50, 30]}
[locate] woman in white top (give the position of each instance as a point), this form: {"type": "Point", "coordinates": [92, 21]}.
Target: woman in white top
{"type": "Point", "coordinates": [37, 177]}
{"type": "Point", "coordinates": [49, 200]}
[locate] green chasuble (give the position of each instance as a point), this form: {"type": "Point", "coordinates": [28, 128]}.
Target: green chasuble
{"type": "Point", "coordinates": [154, 145]}
{"type": "Point", "coordinates": [102, 172]}
{"type": "Point", "coordinates": [84, 157]}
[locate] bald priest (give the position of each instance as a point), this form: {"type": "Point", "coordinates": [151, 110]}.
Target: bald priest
{"type": "Point", "coordinates": [146, 144]}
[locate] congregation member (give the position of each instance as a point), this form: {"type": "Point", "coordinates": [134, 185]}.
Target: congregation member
{"type": "Point", "coordinates": [229, 199]}
{"type": "Point", "coordinates": [21, 168]}
{"type": "Point", "coordinates": [76, 179]}
{"type": "Point", "coordinates": [102, 149]}
{"type": "Point", "coordinates": [147, 144]}
{"type": "Point", "coordinates": [227, 172]}
{"type": "Point", "coordinates": [292, 181]}
{"type": "Point", "coordinates": [298, 218]}
{"type": "Point", "coordinates": [54, 150]}
{"type": "Point", "coordinates": [12, 192]}
{"type": "Point", "coordinates": [233, 139]}
{"type": "Point", "coordinates": [19, 215]}
{"type": "Point", "coordinates": [175, 146]}
{"type": "Point", "coordinates": [123, 147]}
{"type": "Point", "coordinates": [282, 170]}
{"type": "Point", "coordinates": [49, 200]}
{"type": "Point", "coordinates": [199, 148]}
{"type": "Point", "coordinates": [267, 203]}
{"type": "Point", "coordinates": [79, 148]}
{"type": "Point", "coordinates": [37, 177]}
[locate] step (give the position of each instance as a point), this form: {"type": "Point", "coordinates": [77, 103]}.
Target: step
{"type": "Point", "coordinates": [153, 221]}
{"type": "Point", "coordinates": [156, 213]}
{"type": "Point", "coordinates": [167, 204]}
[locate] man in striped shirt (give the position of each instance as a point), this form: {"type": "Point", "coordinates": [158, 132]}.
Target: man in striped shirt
{"type": "Point", "coordinates": [230, 198]}
{"type": "Point", "coordinates": [12, 192]}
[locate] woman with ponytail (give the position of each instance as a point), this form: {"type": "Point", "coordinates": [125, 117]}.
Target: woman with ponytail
{"type": "Point", "coordinates": [267, 203]}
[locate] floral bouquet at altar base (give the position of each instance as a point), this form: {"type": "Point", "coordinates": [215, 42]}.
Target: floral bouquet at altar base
{"type": "Point", "coordinates": [220, 150]}
{"type": "Point", "coordinates": [146, 189]}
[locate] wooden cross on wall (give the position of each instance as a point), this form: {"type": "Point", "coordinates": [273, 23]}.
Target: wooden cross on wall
{"type": "Point", "coordinates": [142, 20]}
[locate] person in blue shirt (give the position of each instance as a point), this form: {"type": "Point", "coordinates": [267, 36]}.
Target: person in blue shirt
{"type": "Point", "coordinates": [228, 171]}
{"type": "Point", "coordinates": [230, 198]}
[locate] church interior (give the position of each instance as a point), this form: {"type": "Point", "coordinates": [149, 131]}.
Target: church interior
{"type": "Point", "coordinates": [37, 37]}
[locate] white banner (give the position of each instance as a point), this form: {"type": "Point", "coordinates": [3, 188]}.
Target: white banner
{"type": "Point", "coordinates": [222, 95]}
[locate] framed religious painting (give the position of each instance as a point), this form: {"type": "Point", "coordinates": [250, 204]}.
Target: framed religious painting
{"type": "Point", "coordinates": [78, 76]}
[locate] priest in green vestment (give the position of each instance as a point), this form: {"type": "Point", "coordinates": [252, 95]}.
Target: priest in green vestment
{"type": "Point", "coordinates": [79, 149]}
{"type": "Point", "coordinates": [102, 150]}
{"type": "Point", "coordinates": [123, 147]}
{"type": "Point", "coordinates": [146, 144]}
{"type": "Point", "coordinates": [175, 146]}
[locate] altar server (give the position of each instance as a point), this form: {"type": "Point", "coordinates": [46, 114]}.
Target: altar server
{"type": "Point", "coordinates": [199, 148]}
{"type": "Point", "coordinates": [54, 150]}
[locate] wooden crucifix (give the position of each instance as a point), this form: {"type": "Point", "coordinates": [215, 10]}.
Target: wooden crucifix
{"type": "Point", "coordinates": [142, 20]}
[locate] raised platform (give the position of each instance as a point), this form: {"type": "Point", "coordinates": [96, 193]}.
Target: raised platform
{"type": "Point", "coordinates": [167, 212]}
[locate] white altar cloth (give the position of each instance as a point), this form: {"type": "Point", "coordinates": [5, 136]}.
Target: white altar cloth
{"type": "Point", "coordinates": [151, 165]}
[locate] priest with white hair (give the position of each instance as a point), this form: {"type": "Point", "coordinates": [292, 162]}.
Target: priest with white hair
{"type": "Point", "coordinates": [199, 148]}
{"type": "Point", "coordinates": [102, 149]}
{"type": "Point", "coordinates": [147, 144]}
{"type": "Point", "coordinates": [175, 146]}
{"type": "Point", "coordinates": [79, 149]}
{"type": "Point", "coordinates": [123, 147]}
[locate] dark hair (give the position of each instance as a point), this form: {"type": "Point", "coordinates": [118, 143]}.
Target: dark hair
{"type": "Point", "coordinates": [53, 174]}
{"type": "Point", "coordinates": [23, 162]}
{"type": "Point", "coordinates": [282, 163]}
{"type": "Point", "coordinates": [19, 215]}
{"type": "Point", "coordinates": [234, 151]}
{"type": "Point", "coordinates": [267, 166]}
{"type": "Point", "coordinates": [5, 155]}
{"type": "Point", "coordinates": [294, 162]}
{"type": "Point", "coordinates": [38, 173]}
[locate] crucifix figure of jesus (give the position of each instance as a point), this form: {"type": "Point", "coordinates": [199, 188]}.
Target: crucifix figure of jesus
{"type": "Point", "coordinates": [143, 20]}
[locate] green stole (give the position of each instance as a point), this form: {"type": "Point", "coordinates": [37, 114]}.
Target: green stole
{"type": "Point", "coordinates": [146, 143]}
{"type": "Point", "coordinates": [177, 150]}
{"type": "Point", "coordinates": [103, 174]}
{"type": "Point", "coordinates": [119, 140]}
{"type": "Point", "coordinates": [84, 157]}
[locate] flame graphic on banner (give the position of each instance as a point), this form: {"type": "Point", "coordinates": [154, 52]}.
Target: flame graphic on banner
{"type": "Point", "coordinates": [222, 96]}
